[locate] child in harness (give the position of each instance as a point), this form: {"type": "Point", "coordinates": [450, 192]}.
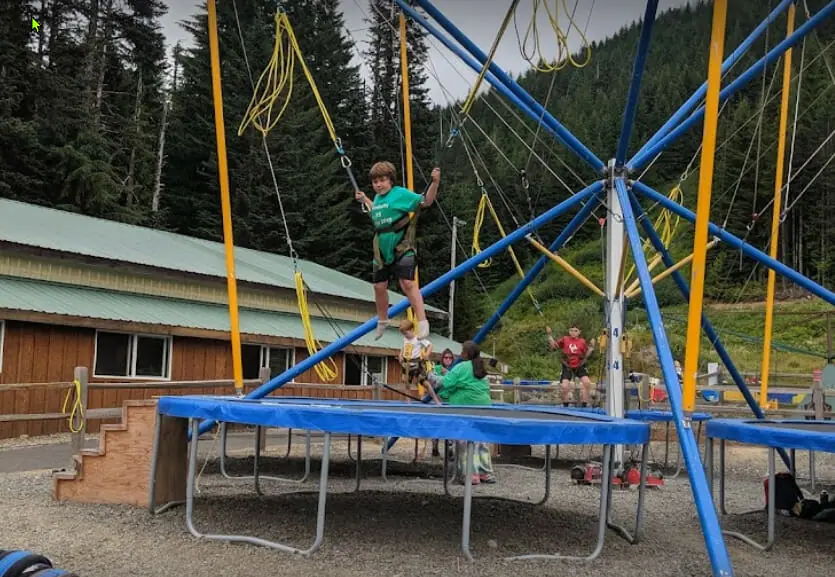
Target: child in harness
{"type": "Point", "coordinates": [414, 359]}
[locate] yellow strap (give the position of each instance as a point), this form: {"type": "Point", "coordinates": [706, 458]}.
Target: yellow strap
{"type": "Point", "coordinates": [479, 222]}
{"type": "Point", "coordinates": [564, 55]}
{"type": "Point", "coordinates": [468, 104]}
{"type": "Point", "coordinates": [277, 79]}
{"type": "Point", "coordinates": [483, 205]}
{"type": "Point", "coordinates": [77, 410]}
{"type": "Point", "coordinates": [667, 226]}
{"type": "Point", "coordinates": [326, 370]}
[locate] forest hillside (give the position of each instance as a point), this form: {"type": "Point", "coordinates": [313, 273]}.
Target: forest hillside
{"type": "Point", "coordinates": [95, 118]}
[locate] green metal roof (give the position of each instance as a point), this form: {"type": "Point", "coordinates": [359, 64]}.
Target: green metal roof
{"type": "Point", "coordinates": [76, 301]}
{"type": "Point", "coordinates": [52, 229]}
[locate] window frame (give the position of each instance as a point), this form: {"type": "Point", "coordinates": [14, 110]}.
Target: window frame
{"type": "Point", "coordinates": [365, 375]}
{"type": "Point", "coordinates": [265, 357]}
{"type": "Point", "coordinates": [133, 345]}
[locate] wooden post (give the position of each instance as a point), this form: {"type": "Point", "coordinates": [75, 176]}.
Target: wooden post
{"type": "Point", "coordinates": [264, 377]}
{"type": "Point", "coordinates": [77, 439]}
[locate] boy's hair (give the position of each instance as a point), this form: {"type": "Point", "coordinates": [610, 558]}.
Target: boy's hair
{"type": "Point", "coordinates": [406, 325]}
{"type": "Point", "coordinates": [574, 326]}
{"type": "Point", "coordinates": [383, 169]}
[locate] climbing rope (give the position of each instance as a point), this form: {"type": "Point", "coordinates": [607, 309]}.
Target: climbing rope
{"type": "Point", "coordinates": [279, 75]}
{"type": "Point", "coordinates": [75, 418]}
{"type": "Point", "coordinates": [277, 80]}
{"type": "Point", "coordinates": [564, 57]}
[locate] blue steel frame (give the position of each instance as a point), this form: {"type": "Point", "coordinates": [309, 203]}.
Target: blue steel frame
{"type": "Point", "coordinates": [589, 197]}
{"type": "Point", "coordinates": [726, 65]}
{"type": "Point", "coordinates": [710, 333]}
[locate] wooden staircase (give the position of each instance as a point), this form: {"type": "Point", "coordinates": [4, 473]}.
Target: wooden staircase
{"type": "Point", "coordinates": [119, 470]}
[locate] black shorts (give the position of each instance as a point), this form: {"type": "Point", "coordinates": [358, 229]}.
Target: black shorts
{"type": "Point", "coordinates": [569, 374]}
{"type": "Point", "coordinates": [403, 267]}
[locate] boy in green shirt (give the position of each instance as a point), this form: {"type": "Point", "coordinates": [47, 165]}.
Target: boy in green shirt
{"type": "Point", "coordinates": [394, 213]}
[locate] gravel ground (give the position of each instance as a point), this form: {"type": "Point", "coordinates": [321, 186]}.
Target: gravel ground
{"type": "Point", "coordinates": [406, 526]}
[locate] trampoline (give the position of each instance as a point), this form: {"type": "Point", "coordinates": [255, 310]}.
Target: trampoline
{"type": "Point", "coordinates": [774, 434]}
{"type": "Point", "coordinates": [486, 424]}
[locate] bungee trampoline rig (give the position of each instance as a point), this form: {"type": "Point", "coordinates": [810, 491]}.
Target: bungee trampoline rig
{"type": "Point", "coordinates": [620, 192]}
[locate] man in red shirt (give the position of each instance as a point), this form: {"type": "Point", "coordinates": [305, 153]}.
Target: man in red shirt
{"type": "Point", "coordinates": [575, 352]}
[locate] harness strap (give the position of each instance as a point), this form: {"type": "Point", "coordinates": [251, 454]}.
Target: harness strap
{"type": "Point", "coordinates": [406, 244]}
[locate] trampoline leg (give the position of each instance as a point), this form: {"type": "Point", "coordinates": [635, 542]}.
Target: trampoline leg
{"type": "Point", "coordinates": [446, 467]}
{"type": "Point", "coordinates": [289, 442]}
{"type": "Point", "coordinates": [320, 517]}
{"type": "Point", "coordinates": [709, 464]}
{"type": "Point", "coordinates": [255, 476]}
{"type": "Point", "coordinates": [605, 489]}
{"type": "Point", "coordinates": [633, 539]}
{"type": "Point", "coordinates": [358, 462]}
{"type": "Point", "coordinates": [468, 501]}
{"type": "Point", "coordinates": [812, 470]}
{"type": "Point", "coordinates": [771, 509]}
{"type": "Point", "coordinates": [722, 508]}
{"type": "Point", "coordinates": [547, 476]}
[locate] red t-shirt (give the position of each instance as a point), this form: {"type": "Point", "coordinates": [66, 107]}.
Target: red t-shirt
{"type": "Point", "coordinates": [573, 350]}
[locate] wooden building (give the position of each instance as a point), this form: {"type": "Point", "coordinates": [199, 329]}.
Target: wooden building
{"type": "Point", "coordinates": [137, 305]}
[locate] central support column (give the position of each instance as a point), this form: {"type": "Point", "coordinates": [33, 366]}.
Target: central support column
{"type": "Point", "coordinates": [614, 304]}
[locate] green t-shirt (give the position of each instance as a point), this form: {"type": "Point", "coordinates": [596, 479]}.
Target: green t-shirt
{"type": "Point", "coordinates": [386, 210]}
{"type": "Point", "coordinates": [461, 387]}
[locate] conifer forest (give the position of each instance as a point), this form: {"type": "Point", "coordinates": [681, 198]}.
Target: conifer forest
{"type": "Point", "coordinates": [99, 115]}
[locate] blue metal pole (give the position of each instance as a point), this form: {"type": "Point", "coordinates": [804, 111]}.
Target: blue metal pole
{"type": "Point", "coordinates": [729, 62]}
{"type": "Point", "coordinates": [566, 137]}
{"type": "Point", "coordinates": [537, 268]}
{"type": "Point", "coordinates": [642, 158]}
{"type": "Point", "coordinates": [739, 244]}
{"type": "Point", "coordinates": [711, 529]}
{"type": "Point", "coordinates": [523, 284]}
{"type": "Point", "coordinates": [426, 291]}
{"type": "Point", "coordinates": [635, 85]}
{"type": "Point", "coordinates": [470, 61]}
{"type": "Point", "coordinates": [712, 336]}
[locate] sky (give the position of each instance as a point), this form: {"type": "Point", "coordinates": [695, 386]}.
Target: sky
{"type": "Point", "coordinates": [449, 77]}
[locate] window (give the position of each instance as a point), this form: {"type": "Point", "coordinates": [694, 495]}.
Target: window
{"type": "Point", "coordinates": [362, 370]}
{"type": "Point", "coordinates": [133, 356]}
{"type": "Point", "coordinates": [254, 357]}
{"type": "Point", "coordinates": [2, 334]}
{"type": "Point", "coordinates": [251, 360]}
{"type": "Point", "coordinates": [277, 359]}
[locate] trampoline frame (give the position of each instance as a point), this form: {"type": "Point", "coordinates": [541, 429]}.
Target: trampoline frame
{"type": "Point", "coordinates": [793, 441]}
{"type": "Point", "coordinates": [604, 522]}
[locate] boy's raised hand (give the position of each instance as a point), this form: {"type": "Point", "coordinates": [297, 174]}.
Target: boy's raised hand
{"type": "Point", "coordinates": [436, 174]}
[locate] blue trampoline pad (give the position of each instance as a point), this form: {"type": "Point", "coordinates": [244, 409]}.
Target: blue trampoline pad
{"type": "Point", "coordinates": [787, 434]}
{"type": "Point", "coordinates": [387, 419]}
{"type": "Point", "coordinates": [647, 415]}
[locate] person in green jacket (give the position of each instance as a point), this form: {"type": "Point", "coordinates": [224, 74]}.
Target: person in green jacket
{"type": "Point", "coordinates": [466, 384]}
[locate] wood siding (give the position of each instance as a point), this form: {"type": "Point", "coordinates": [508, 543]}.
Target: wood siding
{"type": "Point", "coordinates": [44, 353]}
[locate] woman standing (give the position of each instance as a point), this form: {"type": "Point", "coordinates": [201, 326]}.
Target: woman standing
{"type": "Point", "coordinates": [441, 369]}
{"type": "Point", "coordinates": [466, 384]}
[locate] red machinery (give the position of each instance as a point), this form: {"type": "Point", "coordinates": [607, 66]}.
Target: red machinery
{"type": "Point", "coordinates": [592, 473]}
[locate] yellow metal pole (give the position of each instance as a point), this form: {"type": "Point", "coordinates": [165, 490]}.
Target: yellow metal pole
{"type": "Point", "coordinates": [225, 203]}
{"type": "Point", "coordinates": [667, 272]}
{"type": "Point", "coordinates": [568, 268]}
{"type": "Point", "coordinates": [697, 275]}
{"type": "Point", "coordinates": [775, 219]}
{"type": "Point", "coordinates": [635, 284]}
{"type": "Point", "coordinates": [407, 123]}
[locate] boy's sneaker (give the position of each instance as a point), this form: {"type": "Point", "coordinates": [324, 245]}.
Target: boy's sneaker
{"type": "Point", "coordinates": [486, 478]}
{"type": "Point", "coordinates": [476, 479]}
